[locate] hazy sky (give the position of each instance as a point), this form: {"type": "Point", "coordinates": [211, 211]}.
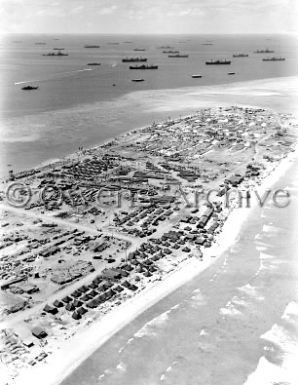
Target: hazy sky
{"type": "Point", "coordinates": [149, 16]}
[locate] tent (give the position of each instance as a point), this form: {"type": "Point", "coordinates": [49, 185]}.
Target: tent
{"type": "Point", "coordinates": [38, 332]}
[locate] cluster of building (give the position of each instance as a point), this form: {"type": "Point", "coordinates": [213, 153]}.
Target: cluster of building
{"type": "Point", "coordinates": [46, 254]}
{"type": "Point", "coordinates": [125, 218]}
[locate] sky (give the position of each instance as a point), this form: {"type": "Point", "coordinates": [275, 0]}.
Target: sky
{"type": "Point", "coordinates": [148, 16]}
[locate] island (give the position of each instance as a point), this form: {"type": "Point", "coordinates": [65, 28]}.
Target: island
{"type": "Point", "coordinates": [83, 236]}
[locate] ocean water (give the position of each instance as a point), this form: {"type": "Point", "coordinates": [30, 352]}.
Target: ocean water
{"type": "Point", "coordinates": [236, 323]}
{"type": "Point", "coordinates": [77, 105]}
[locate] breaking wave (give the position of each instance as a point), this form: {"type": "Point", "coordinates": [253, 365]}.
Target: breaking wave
{"type": "Point", "coordinates": [197, 299]}
{"type": "Point", "coordinates": [53, 77]}
{"type": "Point", "coordinates": [151, 327]}
{"type": "Point", "coordinates": [250, 291]}
{"type": "Point", "coordinates": [230, 310]}
{"type": "Point", "coordinates": [284, 336]}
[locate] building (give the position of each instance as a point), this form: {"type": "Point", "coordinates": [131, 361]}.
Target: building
{"type": "Point", "coordinates": [38, 332]}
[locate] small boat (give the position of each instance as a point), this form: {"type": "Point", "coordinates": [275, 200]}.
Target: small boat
{"type": "Point", "coordinates": [231, 73]}
{"type": "Point", "coordinates": [165, 47]}
{"type": "Point", "coordinates": [178, 55]}
{"type": "Point", "coordinates": [264, 51]}
{"type": "Point", "coordinates": [240, 55]}
{"type": "Point", "coordinates": [40, 43]}
{"type": "Point", "coordinates": [140, 49]}
{"type": "Point", "coordinates": [58, 53]}
{"type": "Point", "coordinates": [91, 46]}
{"type": "Point", "coordinates": [170, 51]}
{"type": "Point", "coordinates": [216, 62]}
{"type": "Point", "coordinates": [94, 64]}
{"type": "Point", "coordinates": [144, 67]}
{"type": "Point", "coordinates": [274, 59]}
{"type": "Point", "coordinates": [29, 88]}
{"type": "Point", "coordinates": [134, 59]}
{"type": "Point", "coordinates": [207, 44]}
{"type": "Point", "coordinates": [196, 76]}
{"type": "Point", "coordinates": [137, 80]}
{"type": "Point", "coordinates": [58, 49]}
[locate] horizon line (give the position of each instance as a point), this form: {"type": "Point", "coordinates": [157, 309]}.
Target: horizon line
{"type": "Point", "coordinates": [148, 34]}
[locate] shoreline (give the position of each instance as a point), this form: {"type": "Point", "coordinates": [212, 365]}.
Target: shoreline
{"type": "Point", "coordinates": [92, 336]}
{"type": "Point", "coordinates": [102, 330]}
{"type": "Point", "coordinates": [214, 91]}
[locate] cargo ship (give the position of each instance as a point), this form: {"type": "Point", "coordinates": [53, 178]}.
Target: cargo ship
{"type": "Point", "coordinates": [274, 59]}
{"type": "Point", "coordinates": [144, 67]}
{"type": "Point", "coordinates": [137, 80]}
{"type": "Point", "coordinates": [29, 88]}
{"type": "Point", "coordinates": [178, 55]}
{"type": "Point", "coordinates": [91, 46]}
{"type": "Point", "coordinates": [94, 64]}
{"type": "Point", "coordinates": [231, 73]}
{"type": "Point", "coordinates": [58, 49]}
{"type": "Point", "coordinates": [140, 49]}
{"type": "Point", "coordinates": [264, 51]}
{"type": "Point", "coordinates": [196, 76]}
{"type": "Point", "coordinates": [134, 59]}
{"type": "Point", "coordinates": [59, 53]}
{"type": "Point", "coordinates": [240, 55]}
{"type": "Point", "coordinates": [216, 62]}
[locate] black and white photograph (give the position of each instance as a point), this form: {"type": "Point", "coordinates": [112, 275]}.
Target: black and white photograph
{"type": "Point", "coordinates": [148, 192]}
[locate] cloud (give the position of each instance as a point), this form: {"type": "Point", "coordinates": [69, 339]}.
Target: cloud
{"type": "Point", "coordinates": [185, 12]}
{"type": "Point", "coordinates": [149, 16]}
{"type": "Point", "coordinates": [107, 10]}
{"type": "Point", "coordinates": [77, 9]}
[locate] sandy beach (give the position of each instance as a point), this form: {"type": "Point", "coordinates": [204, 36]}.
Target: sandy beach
{"type": "Point", "coordinates": [72, 353]}
{"type": "Point", "coordinates": [276, 93]}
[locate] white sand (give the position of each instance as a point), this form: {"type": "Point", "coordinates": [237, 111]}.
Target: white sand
{"type": "Point", "coordinates": [281, 94]}
{"type": "Point", "coordinates": [73, 352]}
